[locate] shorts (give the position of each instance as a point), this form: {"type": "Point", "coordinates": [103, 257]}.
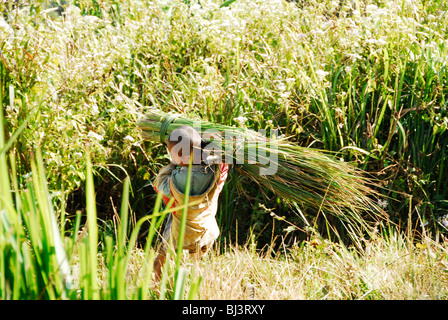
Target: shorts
{"type": "Point", "coordinates": [194, 248]}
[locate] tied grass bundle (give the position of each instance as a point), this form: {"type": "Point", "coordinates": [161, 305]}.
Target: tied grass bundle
{"type": "Point", "coordinates": [303, 176]}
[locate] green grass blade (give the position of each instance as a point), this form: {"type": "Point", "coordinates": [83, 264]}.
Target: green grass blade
{"type": "Point", "coordinates": [183, 221]}
{"type": "Point", "coordinates": [92, 228]}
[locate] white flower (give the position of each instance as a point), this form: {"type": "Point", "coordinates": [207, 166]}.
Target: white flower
{"type": "Point", "coordinates": [95, 109]}
{"type": "Point", "coordinates": [94, 135]}
{"type": "Point", "coordinates": [27, 175]}
{"type": "Point", "coordinates": [195, 7]}
{"type": "Point", "coordinates": [371, 8]}
{"type": "Point", "coordinates": [128, 138]}
{"type": "Point", "coordinates": [91, 19]}
{"type": "Point", "coordinates": [281, 86]}
{"type": "Point", "coordinates": [240, 119]}
{"type": "Point", "coordinates": [354, 56]}
{"type": "Point", "coordinates": [321, 74]}
{"type": "Point", "coordinates": [5, 26]}
{"type": "Point", "coordinates": [444, 220]}
{"type": "Point", "coordinates": [285, 95]}
{"type": "Point", "coordinates": [382, 203]}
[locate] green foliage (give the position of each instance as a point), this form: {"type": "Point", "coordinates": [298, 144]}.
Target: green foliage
{"type": "Point", "coordinates": [33, 259]}
{"type": "Point", "coordinates": [303, 177]}
{"type": "Point", "coordinates": [34, 263]}
{"type": "Point", "coordinates": [364, 79]}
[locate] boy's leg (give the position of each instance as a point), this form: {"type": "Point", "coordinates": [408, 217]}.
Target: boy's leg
{"type": "Point", "coordinates": [158, 264]}
{"type": "Point", "coordinates": [197, 254]}
{"type": "Point", "coordinates": [161, 256]}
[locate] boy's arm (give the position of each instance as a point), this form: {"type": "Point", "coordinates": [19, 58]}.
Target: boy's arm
{"type": "Point", "coordinates": [162, 182]}
{"type": "Point", "coordinates": [224, 172]}
{"type": "Point", "coordinates": [224, 168]}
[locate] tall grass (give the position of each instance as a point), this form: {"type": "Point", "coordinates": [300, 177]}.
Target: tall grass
{"type": "Point", "coordinates": [300, 176]}
{"type": "Point", "coordinates": [364, 79]}
{"type": "Point", "coordinates": [34, 263]}
{"type": "Point", "coordinates": [390, 267]}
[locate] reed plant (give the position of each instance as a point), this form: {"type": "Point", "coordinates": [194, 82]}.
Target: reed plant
{"type": "Point", "coordinates": [364, 80]}
{"type": "Point", "coordinates": [307, 177]}
{"type": "Point", "coordinates": [37, 261]}
{"type": "Point", "coordinates": [391, 266]}
{"type": "Point", "coordinates": [33, 260]}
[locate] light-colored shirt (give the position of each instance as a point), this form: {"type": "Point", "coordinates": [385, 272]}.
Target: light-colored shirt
{"type": "Point", "coordinates": [201, 178]}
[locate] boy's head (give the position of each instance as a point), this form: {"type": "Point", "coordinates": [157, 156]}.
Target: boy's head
{"type": "Point", "coordinates": [183, 142]}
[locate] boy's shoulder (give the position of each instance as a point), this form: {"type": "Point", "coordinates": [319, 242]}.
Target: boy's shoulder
{"type": "Point", "coordinates": [201, 178]}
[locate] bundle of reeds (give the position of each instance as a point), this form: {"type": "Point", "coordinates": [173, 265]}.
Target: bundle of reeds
{"type": "Point", "coordinates": [308, 177]}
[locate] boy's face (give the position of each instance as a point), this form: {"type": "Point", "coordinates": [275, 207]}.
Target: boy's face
{"type": "Point", "coordinates": [183, 160]}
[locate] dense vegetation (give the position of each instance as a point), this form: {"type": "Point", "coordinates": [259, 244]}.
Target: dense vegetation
{"type": "Point", "coordinates": [367, 80]}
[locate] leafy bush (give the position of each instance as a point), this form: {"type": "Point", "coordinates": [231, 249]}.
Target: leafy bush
{"type": "Point", "coordinates": [364, 79]}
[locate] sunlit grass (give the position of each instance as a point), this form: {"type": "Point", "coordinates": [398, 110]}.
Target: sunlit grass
{"type": "Point", "coordinates": [389, 267]}
{"type": "Point", "coordinates": [34, 263]}
{"type": "Point", "coordinates": [366, 80]}
{"type": "Point", "coordinates": [307, 178]}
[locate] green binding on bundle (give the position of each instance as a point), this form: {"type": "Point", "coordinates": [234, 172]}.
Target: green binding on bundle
{"type": "Point", "coordinates": [302, 176]}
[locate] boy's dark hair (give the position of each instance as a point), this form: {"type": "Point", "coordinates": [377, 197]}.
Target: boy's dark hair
{"type": "Point", "coordinates": [188, 137]}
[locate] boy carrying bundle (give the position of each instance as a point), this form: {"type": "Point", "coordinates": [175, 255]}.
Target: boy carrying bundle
{"type": "Point", "coordinates": [207, 181]}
